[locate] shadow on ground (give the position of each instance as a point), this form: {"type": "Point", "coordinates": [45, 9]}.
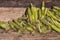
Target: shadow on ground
{"type": "Point", "coordinates": [25, 3]}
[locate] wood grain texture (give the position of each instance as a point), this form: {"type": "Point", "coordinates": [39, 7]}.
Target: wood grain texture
{"type": "Point", "coordinates": [7, 14]}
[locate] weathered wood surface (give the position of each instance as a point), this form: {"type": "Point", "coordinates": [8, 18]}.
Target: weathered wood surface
{"type": "Point", "coordinates": [7, 14]}
{"type": "Point", "coordinates": [27, 36]}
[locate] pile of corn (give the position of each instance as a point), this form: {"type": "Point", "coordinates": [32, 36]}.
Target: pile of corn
{"type": "Point", "coordinates": [41, 20]}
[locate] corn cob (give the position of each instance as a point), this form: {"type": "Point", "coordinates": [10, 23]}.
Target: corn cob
{"type": "Point", "coordinates": [56, 23]}
{"type": "Point", "coordinates": [39, 14]}
{"type": "Point", "coordinates": [29, 28]}
{"type": "Point", "coordinates": [20, 23]}
{"type": "Point", "coordinates": [48, 28]}
{"type": "Point", "coordinates": [38, 26]}
{"type": "Point", "coordinates": [57, 8]}
{"type": "Point", "coordinates": [43, 10]}
{"type": "Point", "coordinates": [57, 13]}
{"type": "Point", "coordinates": [13, 25]}
{"type": "Point", "coordinates": [34, 12]}
{"type": "Point", "coordinates": [51, 24]}
{"type": "Point", "coordinates": [30, 16]}
{"type": "Point", "coordinates": [52, 15]}
{"type": "Point", "coordinates": [4, 25]}
{"type": "Point", "coordinates": [16, 22]}
{"type": "Point", "coordinates": [42, 28]}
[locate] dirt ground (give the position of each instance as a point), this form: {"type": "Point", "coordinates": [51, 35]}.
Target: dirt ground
{"type": "Point", "coordinates": [12, 9]}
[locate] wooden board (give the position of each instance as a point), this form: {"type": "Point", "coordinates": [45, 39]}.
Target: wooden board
{"type": "Point", "coordinates": [7, 14]}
